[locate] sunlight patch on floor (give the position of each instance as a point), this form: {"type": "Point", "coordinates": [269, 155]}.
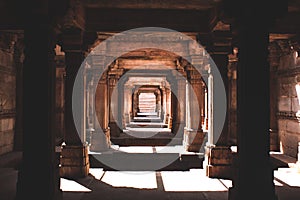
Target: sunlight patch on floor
{"type": "Point", "coordinates": [97, 173]}
{"type": "Point", "coordinates": [289, 176]}
{"type": "Point", "coordinates": [72, 186]}
{"type": "Point", "coordinates": [139, 180]}
{"type": "Point", "coordinates": [137, 149]}
{"type": "Point", "coordinates": [191, 181]}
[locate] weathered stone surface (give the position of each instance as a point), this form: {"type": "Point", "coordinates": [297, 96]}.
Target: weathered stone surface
{"type": "Point", "coordinates": [284, 104]}
{"type": "Point", "coordinates": [74, 161]}
{"type": "Point", "coordinates": [295, 104]}
{"type": "Point", "coordinates": [193, 140]}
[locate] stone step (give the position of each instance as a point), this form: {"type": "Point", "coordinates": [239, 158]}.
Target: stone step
{"type": "Point", "coordinates": [145, 161]}
{"type": "Point", "coordinates": [156, 137]}
{"type": "Point", "coordinates": [131, 141]}
{"type": "Point", "coordinates": [146, 120]}
{"type": "Point", "coordinates": [147, 125]}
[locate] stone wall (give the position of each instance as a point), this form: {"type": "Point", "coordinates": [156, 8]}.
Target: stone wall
{"type": "Point", "coordinates": [286, 71]}
{"type": "Point", "coordinates": [7, 94]}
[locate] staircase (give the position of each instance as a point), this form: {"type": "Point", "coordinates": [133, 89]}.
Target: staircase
{"type": "Point", "coordinates": [146, 158]}
{"type": "Point", "coordinates": [147, 129]}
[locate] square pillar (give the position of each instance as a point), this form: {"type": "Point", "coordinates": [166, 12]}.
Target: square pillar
{"type": "Point", "coordinates": [74, 154]}
{"type": "Point", "coordinates": [38, 176]}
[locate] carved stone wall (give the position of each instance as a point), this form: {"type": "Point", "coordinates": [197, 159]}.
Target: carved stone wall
{"type": "Point", "coordinates": [286, 70]}
{"type": "Point", "coordinates": [7, 93]}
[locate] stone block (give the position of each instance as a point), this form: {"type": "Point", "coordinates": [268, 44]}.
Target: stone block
{"type": "Point", "coordinates": [282, 123]}
{"type": "Point", "coordinates": [193, 140]}
{"type": "Point", "coordinates": [74, 171]}
{"type": "Point", "coordinates": [284, 89]}
{"type": "Point", "coordinates": [295, 104]}
{"type": "Point", "coordinates": [293, 126]}
{"type": "Point", "coordinates": [8, 137]}
{"type": "Point", "coordinates": [284, 104]}
{"type": "Point", "coordinates": [74, 161]}
{"type": "Point", "coordinates": [219, 171]}
{"type": "Point", "coordinates": [6, 149]}
{"type": "Point", "coordinates": [7, 124]}
{"type": "Point", "coordinates": [74, 151]}
{"type": "Point", "coordinates": [220, 156]}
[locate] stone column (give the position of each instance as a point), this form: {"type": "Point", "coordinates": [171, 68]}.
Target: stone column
{"type": "Point", "coordinates": [193, 133]}
{"type": "Point", "coordinates": [168, 106]}
{"type": "Point", "coordinates": [127, 104]}
{"type": "Point", "coordinates": [38, 176]}
{"type": "Point", "coordinates": [114, 108]}
{"type": "Point", "coordinates": [100, 140]}
{"type": "Point", "coordinates": [274, 59]}
{"type": "Point", "coordinates": [74, 155]}
{"type": "Point", "coordinates": [18, 60]}
{"type": "Point", "coordinates": [179, 119]}
{"type": "Point", "coordinates": [232, 96]}
{"type": "Point", "coordinates": [254, 171]}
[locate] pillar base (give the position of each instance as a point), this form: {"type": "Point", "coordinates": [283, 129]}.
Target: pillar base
{"type": "Point", "coordinates": [115, 130]}
{"type": "Point", "coordinates": [218, 162]}
{"type": "Point", "coordinates": [100, 141]}
{"type": "Point", "coordinates": [193, 139]}
{"type": "Point", "coordinates": [274, 144]}
{"type": "Point", "coordinates": [74, 161]}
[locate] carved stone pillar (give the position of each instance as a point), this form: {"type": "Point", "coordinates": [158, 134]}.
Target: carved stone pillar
{"type": "Point", "coordinates": [39, 163]}
{"type": "Point", "coordinates": [127, 104]}
{"type": "Point", "coordinates": [168, 106]}
{"type": "Point", "coordinates": [274, 59]}
{"type": "Point", "coordinates": [114, 107]}
{"type": "Point", "coordinates": [179, 118]}
{"type": "Point", "coordinates": [193, 133]}
{"type": "Point", "coordinates": [218, 155]}
{"type": "Point", "coordinates": [100, 139]}
{"type": "Point", "coordinates": [232, 97]}
{"type": "Point", "coordinates": [253, 171]}
{"type": "Point", "coordinates": [74, 155]}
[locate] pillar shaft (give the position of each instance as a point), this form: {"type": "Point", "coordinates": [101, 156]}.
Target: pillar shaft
{"type": "Point", "coordinates": [73, 61]}
{"type": "Point", "coordinates": [179, 118]}
{"type": "Point", "coordinates": [114, 106]}
{"type": "Point", "coordinates": [74, 156]}
{"type": "Point", "coordinates": [38, 116]}
{"type": "Point", "coordinates": [254, 171]}
{"type": "Point", "coordinates": [100, 139]}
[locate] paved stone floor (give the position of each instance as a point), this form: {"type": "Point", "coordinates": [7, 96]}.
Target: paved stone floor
{"type": "Point", "coordinates": [175, 185]}
{"type": "Point", "coordinates": [162, 185]}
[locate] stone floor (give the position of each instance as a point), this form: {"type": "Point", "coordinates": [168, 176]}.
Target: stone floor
{"type": "Point", "coordinates": [162, 185]}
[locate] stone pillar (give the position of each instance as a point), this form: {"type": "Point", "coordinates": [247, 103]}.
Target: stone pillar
{"type": "Point", "coordinates": [254, 171]}
{"type": "Point", "coordinates": [193, 133]}
{"type": "Point", "coordinates": [18, 60]}
{"type": "Point", "coordinates": [218, 155]}
{"type": "Point", "coordinates": [274, 59]}
{"type": "Point", "coordinates": [168, 106]}
{"type": "Point", "coordinates": [135, 103]}
{"type": "Point", "coordinates": [232, 96]}
{"type": "Point", "coordinates": [127, 104]}
{"type": "Point", "coordinates": [114, 109]}
{"type": "Point", "coordinates": [179, 122]}
{"type": "Point", "coordinates": [158, 102]}
{"type": "Point", "coordinates": [38, 176]}
{"type": "Point", "coordinates": [164, 104]}
{"type": "Point", "coordinates": [74, 155]}
{"type": "Point", "coordinates": [100, 139]}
